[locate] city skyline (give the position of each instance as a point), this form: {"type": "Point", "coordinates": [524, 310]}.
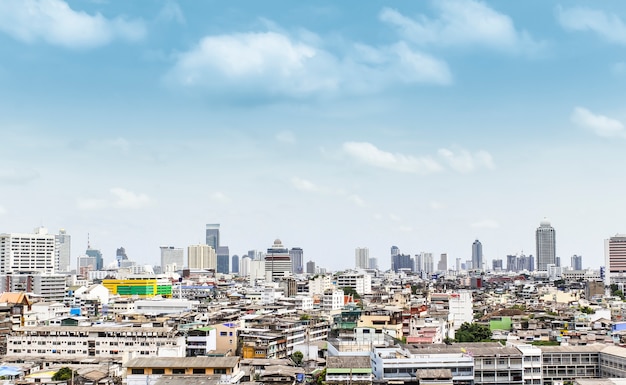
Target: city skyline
{"type": "Point", "coordinates": [424, 125]}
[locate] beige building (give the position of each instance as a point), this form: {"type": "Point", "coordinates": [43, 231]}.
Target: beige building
{"type": "Point", "coordinates": [201, 257]}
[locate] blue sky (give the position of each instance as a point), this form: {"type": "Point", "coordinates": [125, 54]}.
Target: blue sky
{"type": "Point", "coordinates": [328, 125]}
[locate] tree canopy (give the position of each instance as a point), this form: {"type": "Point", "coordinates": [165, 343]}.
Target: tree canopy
{"type": "Point", "coordinates": [63, 374]}
{"type": "Point", "coordinates": [472, 332]}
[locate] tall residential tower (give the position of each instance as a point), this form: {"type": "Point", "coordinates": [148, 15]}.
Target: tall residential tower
{"type": "Point", "coordinates": [546, 245]}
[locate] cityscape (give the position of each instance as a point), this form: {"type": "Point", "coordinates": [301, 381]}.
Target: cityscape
{"type": "Point", "coordinates": [312, 193]}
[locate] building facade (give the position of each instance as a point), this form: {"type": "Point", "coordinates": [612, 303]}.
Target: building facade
{"type": "Point", "coordinates": [546, 245]}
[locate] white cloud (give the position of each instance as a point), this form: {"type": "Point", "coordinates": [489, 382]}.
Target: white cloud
{"type": "Point", "coordinates": [599, 124]}
{"type": "Point", "coordinates": [171, 12]}
{"type": "Point", "coordinates": [463, 161]}
{"type": "Point", "coordinates": [277, 64]}
{"type": "Point", "coordinates": [220, 197]}
{"type": "Point", "coordinates": [120, 198]}
{"type": "Point", "coordinates": [462, 22]}
{"type": "Point", "coordinates": [286, 137]}
{"type": "Point", "coordinates": [306, 185]}
{"type": "Point", "coordinates": [357, 200]}
{"type": "Point", "coordinates": [437, 205]}
{"type": "Point", "coordinates": [369, 154]}
{"type": "Point", "coordinates": [17, 176]}
{"type": "Point", "coordinates": [607, 25]}
{"type": "Point", "coordinates": [54, 22]}
{"type": "Point", "coordinates": [485, 224]}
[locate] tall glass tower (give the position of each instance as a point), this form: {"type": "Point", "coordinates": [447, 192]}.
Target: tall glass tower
{"type": "Point", "coordinates": [477, 255]}
{"type": "Point", "coordinates": [213, 235]}
{"type": "Point", "coordinates": [546, 245]}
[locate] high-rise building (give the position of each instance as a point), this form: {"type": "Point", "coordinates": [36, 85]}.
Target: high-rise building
{"type": "Point", "coordinates": [511, 262]}
{"type": "Point", "coordinates": [395, 250]}
{"type": "Point", "coordinates": [201, 257]}
{"type": "Point", "coordinates": [577, 262]}
{"type": "Point", "coordinates": [234, 264]}
{"type": "Point", "coordinates": [458, 264]}
{"type": "Point", "coordinates": [310, 267]}
{"type": "Point", "coordinates": [213, 235]}
{"type": "Point", "coordinates": [63, 251]}
{"type": "Point", "coordinates": [429, 263]}
{"type": "Point", "coordinates": [278, 260]}
{"type": "Point", "coordinates": [28, 252]}
{"type": "Point", "coordinates": [96, 254]}
{"type": "Point", "coordinates": [223, 260]}
{"type": "Point", "coordinates": [373, 263]}
{"type": "Point", "coordinates": [244, 266]}
{"type": "Point", "coordinates": [615, 256]}
{"type": "Point", "coordinates": [546, 245]}
{"type": "Point", "coordinates": [172, 258]}
{"type": "Point", "coordinates": [496, 265]}
{"type": "Point", "coordinates": [442, 265]}
{"type": "Point", "coordinates": [297, 259]}
{"type": "Point", "coordinates": [361, 257]}
{"type": "Point", "coordinates": [120, 256]}
{"type": "Point", "coordinates": [402, 262]}
{"type": "Point", "coordinates": [477, 255]}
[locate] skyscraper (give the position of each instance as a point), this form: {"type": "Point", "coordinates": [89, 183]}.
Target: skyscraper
{"type": "Point", "coordinates": [297, 256]}
{"type": "Point", "coordinates": [577, 262]}
{"type": "Point", "coordinates": [201, 257]}
{"type": "Point", "coordinates": [234, 264]}
{"type": "Point", "coordinates": [477, 255]}
{"type": "Point", "coordinates": [120, 256]}
{"type": "Point", "coordinates": [442, 265]}
{"type": "Point", "coordinates": [615, 256]}
{"type": "Point", "coordinates": [97, 254]}
{"type": "Point", "coordinates": [63, 250]}
{"type": "Point", "coordinates": [361, 257]}
{"type": "Point", "coordinates": [28, 252]}
{"type": "Point", "coordinates": [546, 246]}
{"type": "Point", "coordinates": [223, 259]}
{"type": "Point", "coordinates": [277, 260]}
{"type": "Point", "coordinates": [213, 235]}
{"type": "Point", "coordinates": [172, 258]}
{"type": "Point", "coordinates": [310, 267]}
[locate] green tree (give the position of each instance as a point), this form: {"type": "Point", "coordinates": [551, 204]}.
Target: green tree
{"type": "Point", "coordinates": [472, 332]}
{"type": "Point", "coordinates": [297, 357]}
{"type": "Point", "coordinates": [351, 291]}
{"type": "Point", "coordinates": [63, 374]}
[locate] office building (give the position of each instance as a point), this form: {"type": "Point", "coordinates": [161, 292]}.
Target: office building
{"type": "Point", "coordinates": [201, 257]}
{"type": "Point", "coordinates": [244, 266]}
{"type": "Point", "coordinates": [373, 263]}
{"type": "Point", "coordinates": [120, 256]}
{"type": "Point", "coordinates": [172, 258]}
{"type": "Point", "coordinates": [97, 255]}
{"type": "Point", "coordinates": [477, 255]}
{"type": "Point", "coordinates": [402, 262]}
{"type": "Point", "coordinates": [223, 260]}
{"type": "Point", "coordinates": [442, 265]}
{"type": "Point", "coordinates": [28, 252]}
{"type": "Point", "coordinates": [63, 241]}
{"type": "Point", "coordinates": [310, 267]}
{"type": "Point", "coordinates": [361, 257]}
{"type": "Point", "coordinates": [213, 235]}
{"type": "Point", "coordinates": [278, 260]}
{"type": "Point", "coordinates": [577, 262]}
{"type": "Point", "coordinates": [615, 257]}
{"type": "Point", "coordinates": [297, 259]}
{"type": "Point", "coordinates": [546, 245]}
{"type": "Point", "coordinates": [234, 264]}
{"type": "Point", "coordinates": [496, 265]}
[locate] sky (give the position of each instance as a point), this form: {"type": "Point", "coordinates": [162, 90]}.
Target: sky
{"type": "Point", "coordinates": [328, 125]}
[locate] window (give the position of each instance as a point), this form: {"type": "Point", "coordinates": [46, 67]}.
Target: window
{"type": "Point", "coordinates": [223, 334]}
{"type": "Point", "coordinates": [219, 371]}
{"type": "Point", "coordinates": [136, 371]}
{"type": "Point", "coordinates": [178, 371]}
{"type": "Point", "coordinates": [199, 371]}
{"type": "Point", "coordinates": [158, 371]}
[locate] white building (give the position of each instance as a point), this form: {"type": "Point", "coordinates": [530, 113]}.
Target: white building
{"type": "Point", "coordinates": [360, 281]}
{"type": "Point", "coordinates": [332, 300]}
{"type": "Point", "coordinates": [361, 258]}
{"type": "Point", "coordinates": [28, 252]}
{"type": "Point", "coordinates": [104, 342]}
{"type": "Point", "coordinates": [304, 303]}
{"type": "Point", "coordinates": [201, 257]}
{"type": "Point", "coordinates": [319, 284]}
{"type": "Point", "coordinates": [172, 258]}
{"type": "Point", "coordinates": [165, 305]}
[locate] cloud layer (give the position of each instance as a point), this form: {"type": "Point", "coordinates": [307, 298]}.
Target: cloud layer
{"type": "Point", "coordinates": [279, 64]}
{"type": "Point", "coordinates": [606, 25]}
{"type": "Point", "coordinates": [459, 160]}
{"type": "Point", "coordinates": [54, 22]}
{"type": "Point", "coordinates": [460, 23]}
{"type": "Point", "coordinates": [599, 124]}
{"type": "Point", "coordinates": [119, 199]}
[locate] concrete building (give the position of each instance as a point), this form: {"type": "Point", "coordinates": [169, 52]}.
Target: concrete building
{"type": "Point", "coordinates": [172, 258]}
{"type": "Point", "coordinates": [360, 281]}
{"type": "Point", "coordinates": [223, 260]}
{"type": "Point", "coordinates": [297, 260]}
{"type": "Point", "coordinates": [615, 258]}
{"type": "Point", "coordinates": [310, 267]}
{"type": "Point", "coordinates": [28, 252]}
{"type": "Point", "coordinates": [63, 244]}
{"type": "Point", "coordinates": [278, 260]}
{"type": "Point", "coordinates": [149, 370]}
{"type": "Point", "coordinates": [213, 235]}
{"type": "Point", "coordinates": [477, 255]}
{"type": "Point", "coordinates": [361, 258]}
{"type": "Point", "coordinates": [546, 245]}
{"type": "Point", "coordinates": [45, 286]}
{"type": "Point", "coordinates": [201, 257]}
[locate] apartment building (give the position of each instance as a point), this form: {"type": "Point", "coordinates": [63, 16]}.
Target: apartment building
{"type": "Point", "coordinates": [100, 342]}
{"type": "Point", "coordinates": [148, 370]}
